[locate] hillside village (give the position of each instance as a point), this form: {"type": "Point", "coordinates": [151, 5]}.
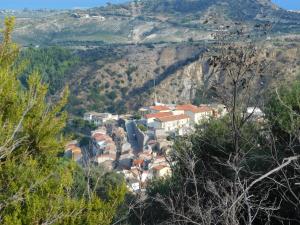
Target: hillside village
{"type": "Point", "coordinates": [140, 147]}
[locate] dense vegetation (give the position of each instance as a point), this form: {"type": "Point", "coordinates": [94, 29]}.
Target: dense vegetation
{"type": "Point", "coordinates": [54, 65]}
{"type": "Point", "coordinates": [38, 186]}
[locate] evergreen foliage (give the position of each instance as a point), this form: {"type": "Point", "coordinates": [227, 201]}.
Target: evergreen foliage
{"type": "Point", "coordinates": [37, 187]}
{"type": "Point", "coordinates": [54, 64]}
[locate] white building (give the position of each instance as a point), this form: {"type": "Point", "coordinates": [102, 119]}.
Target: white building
{"type": "Point", "coordinates": [172, 123]}
{"type": "Point", "coordinates": [150, 118]}
{"type": "Point", "coordinates": [103, 144]}
{"type": "Point", "coordinates": [99, 118]}
{"type": "Point", "coordinates": [196, 114]}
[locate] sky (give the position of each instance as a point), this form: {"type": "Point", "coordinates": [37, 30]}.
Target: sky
{"type": "Point", "coordinates": [63, 4]}
{"type": "Point", "coordinates": [53, 4]}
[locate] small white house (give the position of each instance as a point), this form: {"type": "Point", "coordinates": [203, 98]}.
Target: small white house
{"type": "Point", "coordinates": [196, 114]}
{"type": "Point", "coordinates": [99, 118]}
{"type": "Point", "coordinates": [172, 123]}
{"type": "Point", "coordinates": [150, 118]}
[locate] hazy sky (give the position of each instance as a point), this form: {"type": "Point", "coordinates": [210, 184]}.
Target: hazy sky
{"type": "Point", "coordinates": [19, 4]}
{"type": "Point", "coordinates": [56, 4]}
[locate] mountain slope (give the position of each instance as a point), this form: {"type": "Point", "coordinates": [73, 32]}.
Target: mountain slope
{"type": "Point", "coordinates": [149, 21]}
{"type": "Point", "coordinates": [123, 48]}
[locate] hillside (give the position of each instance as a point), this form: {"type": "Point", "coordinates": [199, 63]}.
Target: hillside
{"type": "Point", "coordinates": [123, 48]}
{"type": "Point", "coordinates": [120, 78]}
{"type": "Point", "coordinates": [148, 21]}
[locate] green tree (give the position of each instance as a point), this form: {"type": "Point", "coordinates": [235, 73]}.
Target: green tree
{"type": "Point", "coordinates": [283, 108]}
{"type": "Point", "coordinates": [53, 63]}
{"type": "Point", "coordinates": [36, 185]}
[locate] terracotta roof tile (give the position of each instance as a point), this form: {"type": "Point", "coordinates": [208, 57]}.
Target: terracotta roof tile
{"type": "Point", "coordinates": [158, 115]}
{"type": "Point", "coordinates": [138, 162]}
{"type": "Point", "coordinates": [186, 107]}
{"type": "Point", "coordinates": [201, 109]}
{"type": "Point", "coordinates": [160, 107]}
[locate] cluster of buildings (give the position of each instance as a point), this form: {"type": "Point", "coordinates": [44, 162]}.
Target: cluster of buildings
{"type": "Point", "coordinates": [179, 119]}
{"type": "Point", "coordinates": [146, 166]}
{"type": "Point", "coordinates": [119, 144]}
{"type": "Point", "coordinates": [142, 155]}
{"type": "Point", "coordinates": [103, 149]}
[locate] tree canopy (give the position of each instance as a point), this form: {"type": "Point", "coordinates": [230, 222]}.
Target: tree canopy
{"type": "Point", "coordinates": [36, 184]}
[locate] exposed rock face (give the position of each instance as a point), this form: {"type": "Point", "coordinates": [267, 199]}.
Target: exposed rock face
{"type": "Point", "coordinates": [172, 72]}
{"type": "Point", "coordinates": [154, 46]}
{"type": "Point", "coordinates": [181, 86]}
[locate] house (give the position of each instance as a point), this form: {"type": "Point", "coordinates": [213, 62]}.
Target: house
{"type": "Point", "coordinates": [161, 171]}
{"type": "Point", "coordinates": [172, 123]}
{"type": "Point", "coordinates": [139, 163]}
{"type": "Point", "coordinates": [102, 144]}
{"type": "Point", "coordinates": [72, 151]}
{"type": "Point", "coordinates": [88, 116]}
{"type": "Point", "coordinates": [196, 114]}
{"type": "Point", "coordinates": [99, 118]}
{"type": "Point", "coordinates": [150, 118]}
{"type": "Point", "coordinates": [106, 160]}
{"type": "Point", "coordinates": [159, 108]}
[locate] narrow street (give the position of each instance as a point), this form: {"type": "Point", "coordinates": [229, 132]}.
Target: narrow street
{"type": "Point", "coordinates": [132, 136]}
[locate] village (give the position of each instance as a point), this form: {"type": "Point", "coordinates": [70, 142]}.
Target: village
{"type": "Point", "coordinates": [141, 148]}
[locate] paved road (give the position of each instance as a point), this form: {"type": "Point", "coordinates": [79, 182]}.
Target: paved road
{"type": "Point", "coordinates": [132, 136]}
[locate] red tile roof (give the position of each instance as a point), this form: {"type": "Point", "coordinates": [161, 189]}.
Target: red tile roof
{"type": "Point", "coordinates": [159, 108]}
{"type": "Point", "coordinates": [201, 109]}
{"type": "Point", "coordinates": [158, 115]}
{"type": "Point", "coordinates": [186, 107]}
{"type": "Point", "coordinates": [173, 118]}
{"type": "Point", "coordinates": [138, 162]}
{"type": "Point", "coordinates": [193, 108]}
